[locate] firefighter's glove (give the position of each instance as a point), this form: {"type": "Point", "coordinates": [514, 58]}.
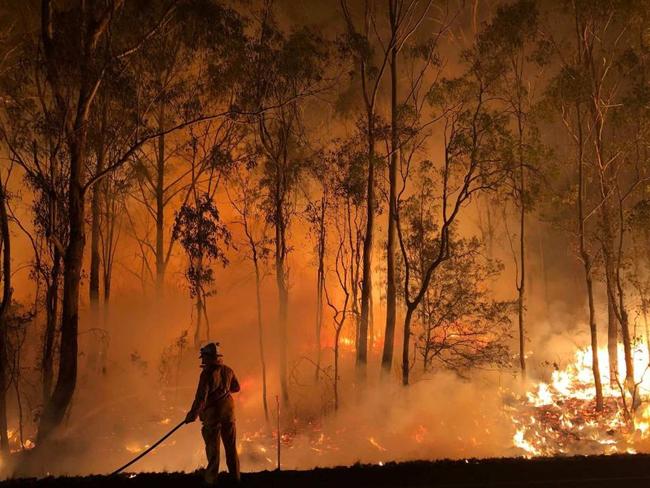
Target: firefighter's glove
{"type": "Point", "coordinates": [190, 417]}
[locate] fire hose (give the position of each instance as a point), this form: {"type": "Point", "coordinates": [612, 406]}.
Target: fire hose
{"type": "Point", "coordinates": [144, 453]}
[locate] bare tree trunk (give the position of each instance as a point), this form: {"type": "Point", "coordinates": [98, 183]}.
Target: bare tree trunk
{"type": "Point", "coordinates": [337, 335]}
{"type": "Point", "coordinates": [366, 281]}
{"type": "Point", "coordinates": [594, 335]}
{"type": "Point", "coordinates": [199, 318]}
{"type": "Point", "coordinates": [58, 403]}
{"type": "Point", "coordinates": [94, 244]}
{"type": "Point", "coordinates": [260, 330]}
{"type": "Point", "coordinates": [391, 297]}
{"type": "Point", "coordinates": [160, 205]}
{"type": "Point", "coordinates": [4, 312]}
{"type": "Point", "coordinates": [586, 261]}
{"type": "Point", "coordinates": [644, 310]}
{"type": "Point", "coordinates": [208, 332]}
{"type": "Point", "coordinates": [542, 254]}
{"type": "Point", "coordinates": [320, 283]}
{"type": "Point", "coordinates": [96, 221]}
{"type": "Point", "coordinates": [624, 317]}
{"type": "Point", "coordinates": [612, 336]}
{"type": "Point", "coordinates": [407, 342]}
{"type": "Point", "coordinates": [428, 328]}
{"type": "Point", "coordinates": [521, 286]}
{"type": "Point", "coordinates": [490, 227]}
{"type": "Point", "coordinates": [52, 304]}
{"type": "Point", "coordinates": [16, 367]}
{"type": "Point", "coordinates": [108, 273]}
{"type": "Point", "coordinates": [627, 339]}
{"type": "Point", "coordinates": [615, 292]}
{"type": "Point", "coordinates": [281, 281]}
{"type": "Point", "coordinates": [283, 299]}
{"type": "Point", "coordinates": [354, 269]}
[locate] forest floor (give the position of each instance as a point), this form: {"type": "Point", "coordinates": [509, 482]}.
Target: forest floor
{"type": "Point", "coordinates": [628, 471]}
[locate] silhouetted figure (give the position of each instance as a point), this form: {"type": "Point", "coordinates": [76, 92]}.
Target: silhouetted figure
{"type": "Point", "coordinates": [214, 405]}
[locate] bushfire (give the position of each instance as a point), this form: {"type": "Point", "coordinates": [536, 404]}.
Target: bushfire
{"type": "Point", "coordinates": [560, 417]}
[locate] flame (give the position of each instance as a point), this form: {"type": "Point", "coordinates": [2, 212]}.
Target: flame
{"type": "Point", "coordinates": [559, 417]}
{"type": "Point", "coordinates": [136, 448]}
{"type": "Point", "coordinates": [420, 434]}
{"type": "Point", "coordinates": [376, 444]}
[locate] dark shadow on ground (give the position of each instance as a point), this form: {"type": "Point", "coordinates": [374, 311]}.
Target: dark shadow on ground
{"type": "Point", "coordinates": [627, 471]}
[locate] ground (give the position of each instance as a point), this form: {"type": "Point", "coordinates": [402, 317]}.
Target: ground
{"type": "Point", "coordinates": [628, 471]}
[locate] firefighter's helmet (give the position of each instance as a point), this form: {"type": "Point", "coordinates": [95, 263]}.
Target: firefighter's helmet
{"type": "Point", "coordinates": [210, 350]}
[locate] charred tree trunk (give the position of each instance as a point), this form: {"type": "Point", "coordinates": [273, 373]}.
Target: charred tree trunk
{"type": "Point", "coordinates": [391, 297]}
{"type": "Point", "coordinates": [4, 313]}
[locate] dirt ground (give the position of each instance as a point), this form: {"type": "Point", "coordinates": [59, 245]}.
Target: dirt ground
{"type": "Point", "coordinates": [628, 471]}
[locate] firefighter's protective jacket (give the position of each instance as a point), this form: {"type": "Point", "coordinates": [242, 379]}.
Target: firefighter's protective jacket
{"type": "Point", "coordinates": [213, 395]}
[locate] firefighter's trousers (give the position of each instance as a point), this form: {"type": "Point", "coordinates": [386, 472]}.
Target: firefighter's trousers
{"type": "Point", "coordinates": [218, 425]}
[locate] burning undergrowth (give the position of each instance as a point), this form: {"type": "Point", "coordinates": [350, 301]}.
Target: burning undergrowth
{"type": "Point", "coordinates": [559, 417]}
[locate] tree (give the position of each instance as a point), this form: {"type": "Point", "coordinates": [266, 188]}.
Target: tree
{"type": "Point", "coordinates": [371, 69]}
{"type": "Point", "coordinates": [405, 21]}
{"type": "Point", "coordinates": [472, 162]}
{"type": "Point", "coordinates": [596, 92]}
{"type": "Point", "coordinates": [512, 42]}
{"type": "Point", "coordinates": [283, 71]}
{"type": "Point", "coordinates": [253, 221]}
{"type": "Point", "coordinates": [340, 310]}
{"type": "Point", "coordinates": [565, 91]}
{"type": "Point", "coordinates": [5, 304]}
{"type": "Point", "coordinates": [199, 230]}
{"type": "Point", "coordinates": [462, 326]}
{"type": "Point", "coordinates": [188, 69]}
{"type": "Point", "coordinates": [316, 216]}
{"type": "Point", "coordinates": [65, 83]}
{"type": "Point", "coordinates": [345, 180]}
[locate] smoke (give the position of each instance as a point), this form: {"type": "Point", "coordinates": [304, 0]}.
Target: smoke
{"type": "Point", "coordinates": [136, 382]}
{"type": "Point", "coordinates": [442, 416]}
{"type": "Point", "coordinates": [144, 385]}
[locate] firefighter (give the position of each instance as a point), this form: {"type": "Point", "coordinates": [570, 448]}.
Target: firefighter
{"type": "Point", "coordinates": [214, 405]}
